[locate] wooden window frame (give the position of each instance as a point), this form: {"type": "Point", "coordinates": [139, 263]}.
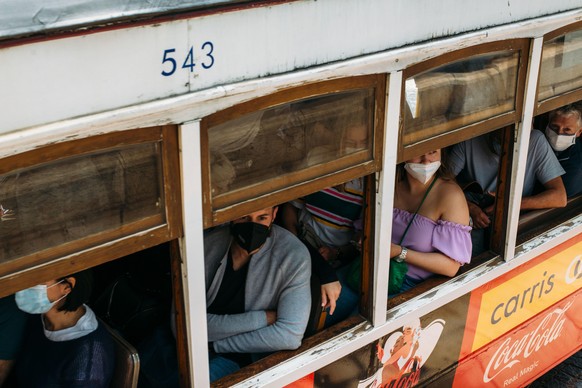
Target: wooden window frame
{"type": "Point", "coordinates": [558, 101]}
{"type": "Point", "coordinates": [463, 132]}
{"type": "Point", "coordinates": [249, 198]}
{"type": "Point", "coordinates": [109, 245]}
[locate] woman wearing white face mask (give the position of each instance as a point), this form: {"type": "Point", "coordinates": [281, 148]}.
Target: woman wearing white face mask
{"type": "Point", "coordinates": [430, 229]}
{"type": "Point", "coordinates": [66, 347]}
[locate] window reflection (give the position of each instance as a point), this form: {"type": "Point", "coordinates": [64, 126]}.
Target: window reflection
{"type": "Point", "coordinates": [561, 69]}
{"type": "Point", "coordinates": [459, 94]}
{"type": "Point", "coordinates": [288, 138]}
{"type": "Point", "coordinates": [70, 199]}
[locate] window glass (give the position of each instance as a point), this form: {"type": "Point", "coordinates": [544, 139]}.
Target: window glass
{"type": "Point", "coordinates": [561, 69]}
{"type": "Point", "coordinates": [59, 202]}
{"type": "Point", "coordinates": [275, 143]}
{"type": "Point", "coordinates": [459, 94]}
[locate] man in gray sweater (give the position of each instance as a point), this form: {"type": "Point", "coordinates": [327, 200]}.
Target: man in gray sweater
{"type": "Point", "coordinates": [257, 290]}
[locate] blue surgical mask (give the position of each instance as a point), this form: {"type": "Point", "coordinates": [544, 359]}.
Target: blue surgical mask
{"type": "Point", "coordinates": [34, 300]}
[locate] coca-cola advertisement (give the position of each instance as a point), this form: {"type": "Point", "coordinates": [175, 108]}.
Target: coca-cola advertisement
{"type": "Point", "coordinates": [519, 357]}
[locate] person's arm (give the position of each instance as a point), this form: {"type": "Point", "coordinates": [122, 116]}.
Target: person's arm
{"type": "Point", "coordinates": [224, 326]}
{"type": "Point", "coordinates": [5, 367]}
{"type": "Point", "coordinates": [292, 314]}
{"type": "Point", "coordinates": [434, 262]}
{"type": "Point", "coordinates": [553, 196]}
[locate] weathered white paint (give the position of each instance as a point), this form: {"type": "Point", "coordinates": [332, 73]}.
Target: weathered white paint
{"type": "Point", "coordinates": [385, 197]}
{"type": "Point", "coordinates": [198, 104]}
{"type": "Point", "coordinates": [522, 146]}
{"type": "Point", "coordinates": [69, 77]}
{"type": "Point", "coordinates": [193, 252]}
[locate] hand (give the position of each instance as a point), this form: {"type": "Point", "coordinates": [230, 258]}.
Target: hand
{"type": "Point", "coordinates": [489, 209]}
{"type": "Point", "coordinates": [328, 253]}
{"type": "Point", "coordinates": [330, 293]}
{"type": "Point", "coordinates": [271, 317]}
{"type": "Point", "coordinates": [480, 219]}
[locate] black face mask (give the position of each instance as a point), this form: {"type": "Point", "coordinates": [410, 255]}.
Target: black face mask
{"type": "Point", "coordinates": [250, 235]}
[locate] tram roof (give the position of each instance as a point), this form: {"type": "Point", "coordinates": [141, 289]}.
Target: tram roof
{"type": "Point", "coordinates": [23, 18]}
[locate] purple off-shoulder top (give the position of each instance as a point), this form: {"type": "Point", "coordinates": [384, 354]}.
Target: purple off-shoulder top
{"type": "Point", "coordinates": [426, 235]}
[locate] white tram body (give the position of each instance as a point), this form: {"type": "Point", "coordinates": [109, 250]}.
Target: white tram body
{"type": "Point", "coordinates": [64, 79]}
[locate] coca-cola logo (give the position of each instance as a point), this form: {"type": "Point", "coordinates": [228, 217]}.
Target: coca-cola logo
{"type": "Point", "coordinates": [512, 352]}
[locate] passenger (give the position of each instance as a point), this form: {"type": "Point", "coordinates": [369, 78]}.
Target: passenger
{"type": "Point", "coordinates": [257, 290]}
{"type": "Point", "coordinates": [563, 133]}
{"type": "Point", "coordinates": [326, 222]}
{"type": "Point", "coordinates": [477, 160]}
{"type": "Point", "coordinates": [430, 227]}
{"type": "Point", "coordinates": [12, 324]}
{"type": "Point", "coordinates": [66, 347]}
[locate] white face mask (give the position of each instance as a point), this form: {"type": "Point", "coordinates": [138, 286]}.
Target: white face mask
{"type": "Point", "coordinates": [559, 142]}
{"type": "Point", "coordinates": [422, 172]}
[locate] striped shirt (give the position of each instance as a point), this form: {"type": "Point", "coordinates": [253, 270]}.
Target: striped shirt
{"type": "Point", "coordinates": [331, 212]}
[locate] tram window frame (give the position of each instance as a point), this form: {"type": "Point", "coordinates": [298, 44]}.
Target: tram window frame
{"type": "Point", "coordinates": [460, 132]}
{"type": "Point", "coordinates": [365, 302]}
{"type": "Point", "coordinates": [507, 123]}
{"type": "Point", "coordinates": [86, 252]}
{"type": "Point", "coordinates": [537, 222]}
{"type": "Point", "coordinates": [559, 100]}
{"type": "Point", "coordinates": [308, 179]}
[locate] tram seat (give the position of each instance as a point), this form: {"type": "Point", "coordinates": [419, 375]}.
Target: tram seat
{"type": "Point", "coordinates": [126, 372]}
{"type": "Point", "coordinates": [317, 314]}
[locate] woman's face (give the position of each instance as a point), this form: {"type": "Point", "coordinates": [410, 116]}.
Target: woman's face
{"type": "Point", "coordinates": [429, 157]}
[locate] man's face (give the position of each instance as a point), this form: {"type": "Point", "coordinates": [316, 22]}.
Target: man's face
{"type": "Point", "coordinates": [565, 125]}
{"type": "Point", "coordinates": [264, 217]}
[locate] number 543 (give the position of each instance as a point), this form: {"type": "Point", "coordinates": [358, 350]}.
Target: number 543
{"type": "Point", "coordinates": [170, 64]}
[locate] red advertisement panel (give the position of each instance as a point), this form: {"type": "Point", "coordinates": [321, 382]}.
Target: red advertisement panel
{"type": "Point", "coordinates": [517, 358]}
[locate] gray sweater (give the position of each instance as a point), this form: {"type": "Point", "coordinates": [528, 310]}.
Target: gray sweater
{"type": "Point", "coordinates": [278, 279]}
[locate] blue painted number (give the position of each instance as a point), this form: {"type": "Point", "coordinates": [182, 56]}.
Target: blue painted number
{"type": "Point", "coordinates": [189, 61]}
{"type": "Point", "coordinates": [208, 54]}
{"type": "Point", "coordinates": [169, 64]}
{"type": "Point", "coordinates": [171, 60]}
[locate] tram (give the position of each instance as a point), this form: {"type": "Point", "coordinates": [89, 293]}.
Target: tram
{"type": "Point", "coordinates": [127, 131]}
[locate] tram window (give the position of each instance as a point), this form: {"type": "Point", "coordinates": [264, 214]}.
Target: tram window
{"type": "Point", "coordinates": [67, 200]}
{"type": "Point", "coordinates": [561, 68]}
{"type": "Point", "coordinates": [562, 128]}
{"type": "Point", "coordinates": [253, 151]}
{"type": "Point", "coordinates": [459, 94]}
{"type": "Point", "coordinates": [127, 307]}
{"type": "Point", "coordinates": [313, 249]}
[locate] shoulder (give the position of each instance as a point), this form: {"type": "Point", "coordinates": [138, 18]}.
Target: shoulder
{"type": "Point", "coordinates": [217, 240]}
{"type": "Point", "coordinates": [538, 142]}
{"type": "Point", "coordinates": [452, 202]}
{"type": "Point", "coordinates": [288, 248]}
{"type": "Point", "coordinates": [285, 240]}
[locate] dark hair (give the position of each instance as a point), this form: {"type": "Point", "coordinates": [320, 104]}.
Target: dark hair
{"type": "Point", "coordinates": [80, 293]}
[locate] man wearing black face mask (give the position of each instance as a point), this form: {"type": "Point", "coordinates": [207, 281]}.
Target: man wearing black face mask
{"type": "Point", "coordinates": [257, 290]}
